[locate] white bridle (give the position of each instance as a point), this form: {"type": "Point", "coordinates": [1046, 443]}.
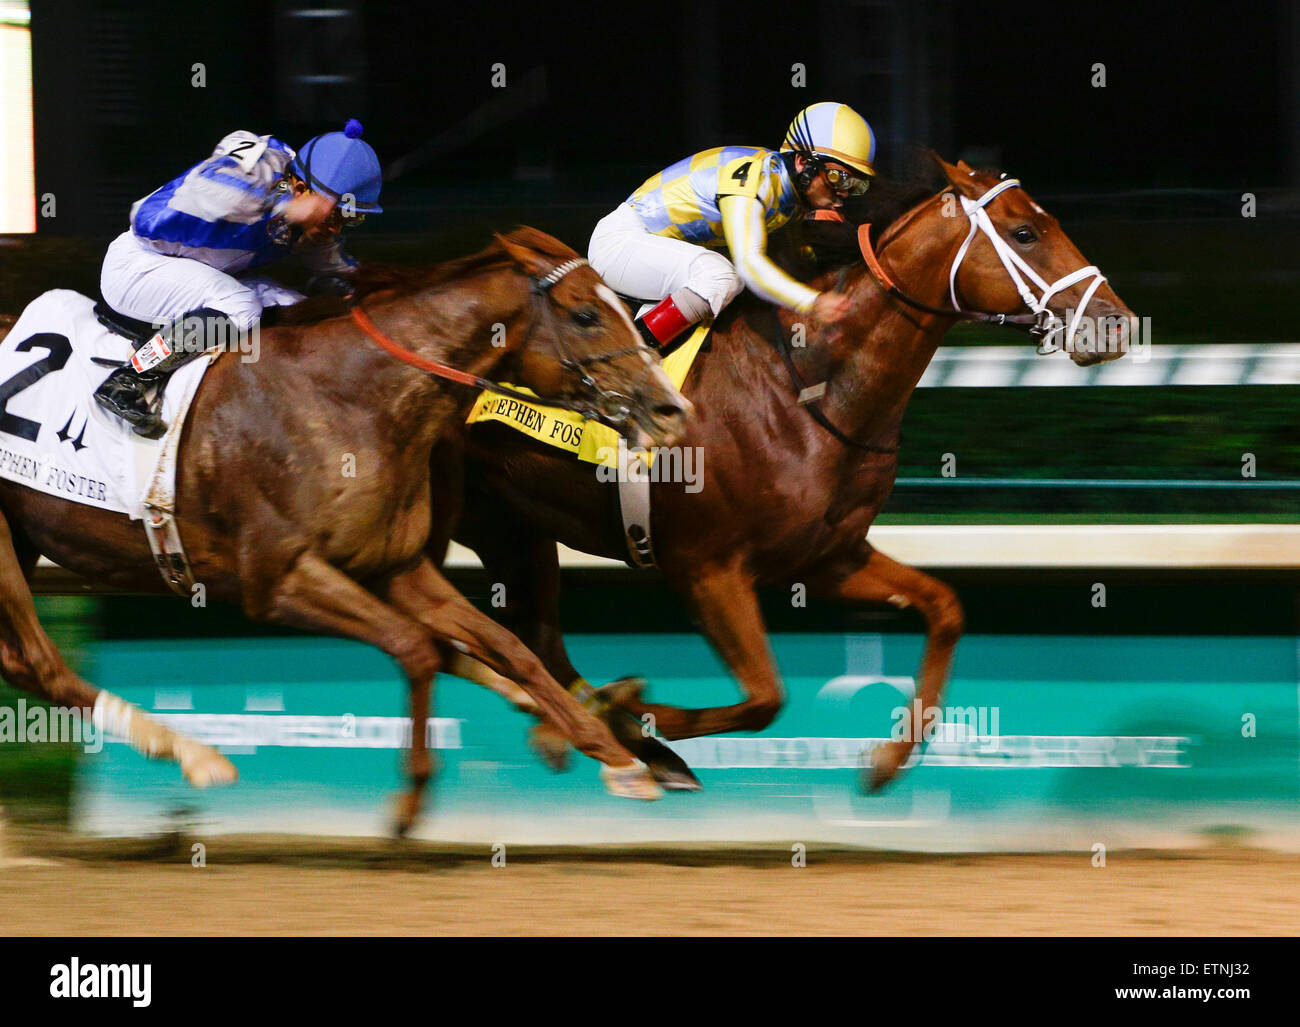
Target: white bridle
{"type": "Point", "coordinates": [1048, 323]}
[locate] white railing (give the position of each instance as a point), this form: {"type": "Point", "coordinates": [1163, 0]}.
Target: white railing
{"type": "Point", "coordinates": [1000, 366]}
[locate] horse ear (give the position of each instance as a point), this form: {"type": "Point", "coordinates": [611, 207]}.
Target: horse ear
{"type": "Point", "coordinates": [960, 176]}
{"type": "Point", "coordinates": [527, 258]}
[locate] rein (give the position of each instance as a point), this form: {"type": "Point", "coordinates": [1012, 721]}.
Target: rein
{"type": "Point", "coordinates": [612, 406]}
{"type": "Point", "coordinates": [885, 282]}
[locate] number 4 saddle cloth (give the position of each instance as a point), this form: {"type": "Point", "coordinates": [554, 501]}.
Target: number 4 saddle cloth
{"type": "Point", "coordinates": [54, 437]}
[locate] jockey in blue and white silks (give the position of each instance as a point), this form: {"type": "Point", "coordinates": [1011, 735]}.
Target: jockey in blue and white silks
{"type": "Point", "coordinates": [189, 254]}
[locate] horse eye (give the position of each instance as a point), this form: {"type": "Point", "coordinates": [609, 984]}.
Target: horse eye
{"type": "Point", "coordinates": [1024, 235]}
{"type": "Point", "coordinates": [586, 316]}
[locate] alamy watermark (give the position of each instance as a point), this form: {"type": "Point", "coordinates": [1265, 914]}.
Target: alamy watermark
{"type": "Point", "coordinates": [75, 979]}
{"type": "Point", "coordinates": [38, 723]}
{"type": "Point", "coordinates": [197, 335]}
{"type": "Point", "coordinates": [946, 724]}
{"type": "Point", "coordinates": [683, 464]}
{"type": "Point", "coordinates": [1102, 335]}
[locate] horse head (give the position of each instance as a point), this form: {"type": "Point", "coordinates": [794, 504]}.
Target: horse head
{"type": "Point", "coordinates": [583, 347]}
{"type": "Point", "coordinates": [988, 252]}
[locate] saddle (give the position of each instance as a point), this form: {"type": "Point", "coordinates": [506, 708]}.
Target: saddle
{"type": "Point", "coordinates": [119, 324]}
{"type": "Point", "coordinates": [142, 331]}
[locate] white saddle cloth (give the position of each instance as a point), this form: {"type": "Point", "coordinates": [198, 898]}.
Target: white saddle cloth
{"type": "Point", "coordinates": [55, 438]}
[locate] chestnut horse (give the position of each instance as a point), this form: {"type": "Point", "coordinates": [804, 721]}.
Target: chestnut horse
{"type": "Point", "coordinates": [270, 520]}
{"type": "Point", "coordinates": [789, 492]}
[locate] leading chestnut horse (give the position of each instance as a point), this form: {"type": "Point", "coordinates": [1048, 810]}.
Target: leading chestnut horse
{"type": "Point", "coordinates": [271, 521]}
{"type": "Point", "coordinates": [789, 491]}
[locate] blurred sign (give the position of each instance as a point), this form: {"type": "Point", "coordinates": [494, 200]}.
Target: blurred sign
{"type": "Point", "coordinates": [1046, 742]}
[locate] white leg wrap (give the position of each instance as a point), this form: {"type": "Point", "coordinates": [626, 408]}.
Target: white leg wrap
{"type": "Point", "coordinates": [202, 765]}
{"type": "Point", "coordinates": [118, 718]}
{"type": "Point", "coordinates": [112, 715]}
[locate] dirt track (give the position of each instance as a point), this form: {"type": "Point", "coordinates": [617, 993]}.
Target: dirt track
{"type": "Point", "coordinates": [352, 886]}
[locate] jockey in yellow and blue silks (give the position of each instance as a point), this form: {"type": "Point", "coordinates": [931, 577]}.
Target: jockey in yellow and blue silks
{"type": "Point", "coordinates": [662, 244]}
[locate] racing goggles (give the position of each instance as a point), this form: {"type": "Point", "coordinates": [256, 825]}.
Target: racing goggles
{"type": "Point", "coordinates": [338, 219]}
{"type": "Point", "coordinates": [845, 183]}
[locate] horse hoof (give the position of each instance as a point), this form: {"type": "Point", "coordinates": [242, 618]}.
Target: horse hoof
{"type": "Point", "coordinates": [669, 769]}
{"type": "Point", "coordinates": [204, 767]}
{"type": "Point", "coordinates": [405, 818]}
{"type": "Point", "coordinates": [551, 746]}
{"type": "Point", "coordinates": [878, 770]}
{"type": "Point", "coordinates": [631, 782]}
{"type": "Point", "coordinates": [676, 780]}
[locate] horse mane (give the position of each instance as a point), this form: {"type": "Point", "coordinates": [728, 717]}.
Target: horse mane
{"type": "Point", "coordinates": [810, 248]}
{"type": "Point", "coordinates": [403, 280]}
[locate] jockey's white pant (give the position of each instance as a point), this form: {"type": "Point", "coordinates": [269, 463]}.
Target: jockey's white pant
{"type": "Point", "coordinates": [151, 286]}
{"type": "Point", "coordinates": [649, 267]}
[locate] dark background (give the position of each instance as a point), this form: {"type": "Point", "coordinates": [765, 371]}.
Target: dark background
{"type": "Point", "coordinates": [599, 96]}
{"type": "Point", "coordinates": [1147, 175]}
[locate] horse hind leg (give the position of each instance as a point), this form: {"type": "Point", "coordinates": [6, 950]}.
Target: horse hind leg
{"type": "Point", "coordinates": [31, 661]}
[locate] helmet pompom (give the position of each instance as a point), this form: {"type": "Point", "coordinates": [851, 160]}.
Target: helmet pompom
{"type": "Point", "coordinates": [352, 129]}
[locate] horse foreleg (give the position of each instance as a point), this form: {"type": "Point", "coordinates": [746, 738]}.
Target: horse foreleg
{"type": "Point", "coordinates": [884, 580]}
{"type": "Point", "coordinates": [481, 674]}
{"type": "Point", "coordinates": [419, 764]}
{"type": "Point", "coordinates": [30, 660]}
{"type": "Point", "coordinates": [723, 600]}
{"type": "Point", "coordinates": [522, 562]}
{"type": "Point", "coordinates": [316, 596]}
{"type": "Point", "coordinates": [426, 595]}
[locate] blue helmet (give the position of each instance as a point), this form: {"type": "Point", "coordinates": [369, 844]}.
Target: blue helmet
{"type": "Point", "coordinates": [340, 163]}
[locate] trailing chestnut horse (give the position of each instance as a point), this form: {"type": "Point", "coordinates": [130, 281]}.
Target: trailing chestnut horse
{"type": "Point", "coordinates": [270, 521]}
{"type": "Point", "coordinates": [790, 491]}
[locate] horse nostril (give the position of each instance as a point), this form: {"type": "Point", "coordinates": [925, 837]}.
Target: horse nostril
{"type": "Point", "coordinates": [671, 416]}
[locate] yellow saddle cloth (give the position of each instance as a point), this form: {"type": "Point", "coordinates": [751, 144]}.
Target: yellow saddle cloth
{"type": "Point", "coordinates": [593, 442]}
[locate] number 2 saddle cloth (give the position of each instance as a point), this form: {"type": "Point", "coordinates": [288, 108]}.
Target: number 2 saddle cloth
{"type": "Point", "coordinates": [54, 437]}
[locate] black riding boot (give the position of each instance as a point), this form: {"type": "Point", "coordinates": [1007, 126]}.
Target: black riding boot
{"type": "Point", "coordinates": [122, 394]}
{"type": "Point", "coordinates": [152, 363]}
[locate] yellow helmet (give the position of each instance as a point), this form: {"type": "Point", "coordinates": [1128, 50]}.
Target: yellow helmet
{"type": "Point", "coordinates": [834, 131]}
